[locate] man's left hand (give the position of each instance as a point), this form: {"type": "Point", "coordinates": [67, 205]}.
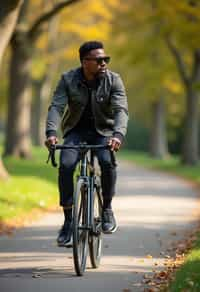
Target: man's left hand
{"type": "Point", "coordinates": [114, 144]}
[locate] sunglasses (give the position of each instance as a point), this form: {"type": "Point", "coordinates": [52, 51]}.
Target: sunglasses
{"type": "Point", "coordinates": [99, 60]}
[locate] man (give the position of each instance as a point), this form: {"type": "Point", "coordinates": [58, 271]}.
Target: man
{"type": "Point", "coordinates": [92, 103]}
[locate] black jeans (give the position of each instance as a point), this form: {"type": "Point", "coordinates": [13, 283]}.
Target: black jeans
{"type": "Point", "coordinates": [70, 157]}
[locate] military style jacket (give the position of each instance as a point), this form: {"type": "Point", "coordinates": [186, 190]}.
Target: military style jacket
{"type": "Point", "coordinates": [108, 102]}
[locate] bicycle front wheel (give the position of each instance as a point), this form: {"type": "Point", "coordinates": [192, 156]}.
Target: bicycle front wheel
{"type": "Point", "coordinates": [80, 233]}
{"type": "Point", "coordinates": [95, 240]}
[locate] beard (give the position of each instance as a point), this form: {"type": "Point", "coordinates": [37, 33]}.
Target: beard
{"type": "Point", "coordinates": [100, 74]}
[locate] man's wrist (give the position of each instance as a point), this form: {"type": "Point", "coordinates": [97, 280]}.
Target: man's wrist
{"type": "Point", "coordinates": [118, 136]}
{"type": "Point", "coordinates": [51, 133]}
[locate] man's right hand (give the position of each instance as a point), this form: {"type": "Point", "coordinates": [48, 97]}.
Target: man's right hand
{"type": "Point", "coordinates": [52, 140]}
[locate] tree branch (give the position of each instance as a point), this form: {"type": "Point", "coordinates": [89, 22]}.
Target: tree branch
{"type": "Point", "coordinates": [179, 61]}
{"type": "Point", "coordinates": [33, 31]}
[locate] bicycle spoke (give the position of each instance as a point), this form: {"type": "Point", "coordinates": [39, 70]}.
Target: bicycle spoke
{"type": "Point", "coordinates": [95, 243]}
{"type": "Point", "coordinates": [80, 234]}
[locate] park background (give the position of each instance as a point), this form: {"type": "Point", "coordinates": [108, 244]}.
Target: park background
{"type": "Point", "coordinates": [153, 44]}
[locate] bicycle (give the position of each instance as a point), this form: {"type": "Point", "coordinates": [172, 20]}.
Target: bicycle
{"type": "Point", "coordinates": [87, 207]}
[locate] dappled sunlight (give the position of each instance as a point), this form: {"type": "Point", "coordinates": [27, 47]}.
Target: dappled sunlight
{"type": "Point", "coordinates": [131, 264]}
{"type": "Point", "coordinates": [34, 259]}
{"type": "Point", "coordinates": [63, 261]}
{"type": "Point", "coordinates": [154, 182]}
{"type": "Point", "coordinates": [134, 210]}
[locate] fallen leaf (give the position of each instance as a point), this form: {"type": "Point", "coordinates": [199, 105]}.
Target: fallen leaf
{"type": "Point", "coordinates": [146, 276]}
{"type": "Point", "coordinates": [149, 256]}
{"type": "Point", "coordinates": [162, 275]}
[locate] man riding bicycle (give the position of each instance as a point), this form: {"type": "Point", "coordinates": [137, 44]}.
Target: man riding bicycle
{"type": "Point", "coordinates": [92, 103]}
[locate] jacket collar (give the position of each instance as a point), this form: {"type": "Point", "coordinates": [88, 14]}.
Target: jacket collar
{"type": "Point", "coordinates": [81, 79]}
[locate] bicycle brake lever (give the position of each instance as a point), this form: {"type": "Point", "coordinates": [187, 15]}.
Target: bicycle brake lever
{"type": "Point", "coordinates": [49, 156]}
{"type": "Point", "coordinates": [52, 156]}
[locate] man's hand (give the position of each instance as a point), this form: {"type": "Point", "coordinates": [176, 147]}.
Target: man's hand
{"type": "Point", "coordinates": [114, 144]}
{"type": "Point", "coordinates": [52, 140]}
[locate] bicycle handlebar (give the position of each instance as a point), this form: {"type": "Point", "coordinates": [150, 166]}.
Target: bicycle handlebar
{"type": "Point", "coordinates": [81, 146]}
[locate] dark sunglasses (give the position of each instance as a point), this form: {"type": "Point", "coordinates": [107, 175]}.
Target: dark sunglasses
{"type": "Point", "coordinates": [99, 60]}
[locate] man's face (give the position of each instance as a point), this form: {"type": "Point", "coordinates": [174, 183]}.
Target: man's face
{"type": "Point", "coordinates": [95, 63]}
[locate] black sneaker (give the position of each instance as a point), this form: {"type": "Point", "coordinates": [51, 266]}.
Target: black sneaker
{"type": "Point", "coordinates": [109, 224]}
{"type": "Point", "coordinates": [65, 235]}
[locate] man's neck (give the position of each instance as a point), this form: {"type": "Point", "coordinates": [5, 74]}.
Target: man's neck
{"type": "Point", "coordinates": [88, 76]}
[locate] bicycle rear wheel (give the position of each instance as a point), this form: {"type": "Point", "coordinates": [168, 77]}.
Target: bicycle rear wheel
{"type": "Point", "coordinates": [80, 233]}
{"type": "Point", "coordinates": [95, 240]}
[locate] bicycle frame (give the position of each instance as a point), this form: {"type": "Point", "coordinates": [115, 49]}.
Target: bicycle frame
{"type": "Point", "coordinates": [89, 179]}
{"type": "Point", "coordinates": [86, 226]}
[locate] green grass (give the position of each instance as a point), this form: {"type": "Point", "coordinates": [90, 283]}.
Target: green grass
{"type": "Point", "coordinates": [187, 277]}
{"type": "Point", "coordinates": [32, 184]}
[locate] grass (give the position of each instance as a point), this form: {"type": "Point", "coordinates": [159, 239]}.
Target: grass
{"type": "Point", "coordinates": [187, 277]}
{"type": "Point", "coordinates": [32, 185]}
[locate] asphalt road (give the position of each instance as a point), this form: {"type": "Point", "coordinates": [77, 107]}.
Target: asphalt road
{"type": "Point", "coordinates": [154, 210]}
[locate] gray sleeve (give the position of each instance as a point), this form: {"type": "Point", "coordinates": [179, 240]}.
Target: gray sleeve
{"type": "Point", "coordinates": [56, 108]}
{"type": "Point", "coordinates": [119, 105]}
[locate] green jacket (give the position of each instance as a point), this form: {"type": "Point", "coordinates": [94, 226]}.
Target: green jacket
{"type": "Point", "coordinates": [109, 104]}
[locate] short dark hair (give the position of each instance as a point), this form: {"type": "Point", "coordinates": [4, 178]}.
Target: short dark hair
{"type": "Point", "coordinates": [86, 47]}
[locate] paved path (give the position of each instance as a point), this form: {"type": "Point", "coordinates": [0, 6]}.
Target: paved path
{"type": "Point", "coordinates": [153, 211]}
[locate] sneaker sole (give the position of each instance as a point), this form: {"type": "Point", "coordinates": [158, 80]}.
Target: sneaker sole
{"type": "Point", "coordinates": [67, 244]}
{"type": "Point", "coordinates": [110, 231]}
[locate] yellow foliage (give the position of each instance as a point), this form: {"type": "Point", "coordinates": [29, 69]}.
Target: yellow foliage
{"type": "Point", "coordinates": [91, 20]}
{"type": "Point", "coordinates": [42, 41]}
{"type": "Point", "coordinates": [173, 86]}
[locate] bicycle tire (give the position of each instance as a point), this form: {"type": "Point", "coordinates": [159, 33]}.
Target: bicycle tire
{"type": "Point", "coordinates": [95, 240]}
{"type": "Point", "coordinates": [80, 236]}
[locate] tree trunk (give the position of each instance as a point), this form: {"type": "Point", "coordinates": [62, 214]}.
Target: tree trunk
{"type": "Point", "coordinates": [39, 109]}
{"type": "Point", "coordinates": [190, 153]}
{"type": "Point", "coordinates": [8, 17]}
{"type": "Point", "coordinates": [158, 142]}
{"type": "Point", "coordinates": [19, 101]}
{"type": "Point", "coordinates": [190, 81]}
{"type": "Point", "coordinates": [36, 112]}
{"type": "Point", "coordinates": [42, 101]}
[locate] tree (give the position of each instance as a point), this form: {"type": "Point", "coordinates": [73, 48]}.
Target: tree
{"type": "Point", "coordinates": [149, 66]}
{"type": "Point", "coordinates": [177, 24]}
{"type": "Point", "coordinates": [8, 18]}
{"type": "Point", "coordinates": [180, 30]}
{"type": "Point", "coordinates": [57, 50]}
{"type": "Point", "coordinates": [19, 102]}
